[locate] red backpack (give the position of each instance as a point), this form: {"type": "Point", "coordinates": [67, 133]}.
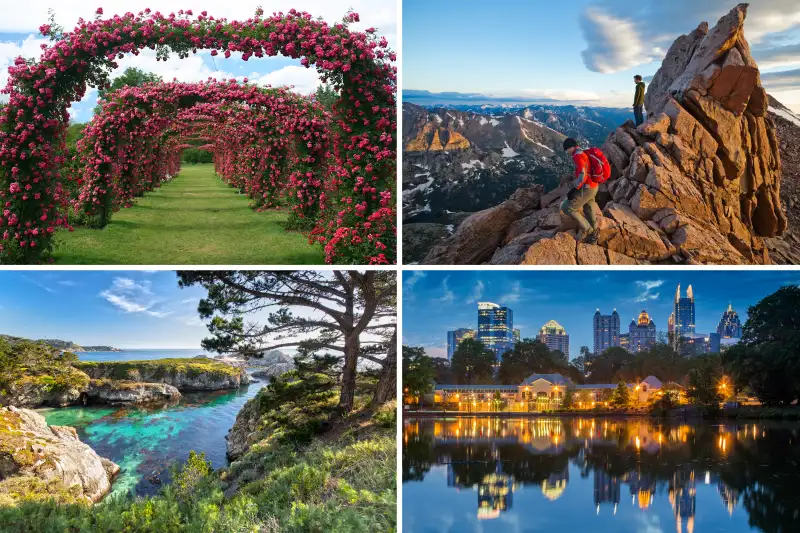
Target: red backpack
{"type": "Point", "coordinates": [599, 168]}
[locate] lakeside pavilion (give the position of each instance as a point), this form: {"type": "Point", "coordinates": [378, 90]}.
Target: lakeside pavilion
{"type": "Point", "coordinates": [537, 393]}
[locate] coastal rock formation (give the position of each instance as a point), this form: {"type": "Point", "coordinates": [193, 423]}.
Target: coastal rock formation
{"type": "Point", "coordinates": [183, 374]}
{"type": "Point", "coordinates": [244, 432]}
{"type": "Point", "coordinates": [56, 391]}
{"type": "Point", "coordinates": [121, 391]}
{"type": "Point", "coordinates": [29, 448]}
{"type": "Point", "coordinates": [697, 183]}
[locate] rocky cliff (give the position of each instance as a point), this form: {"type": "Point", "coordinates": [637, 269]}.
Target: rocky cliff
{"type": "Point", "coordinates": [183, 374]}
{"type": "Point", "coordinates": [121, 392]}
{"type": "Point", "coordinates": [698, 183]}
{"type": "Point", "coordinates": [48, 461]}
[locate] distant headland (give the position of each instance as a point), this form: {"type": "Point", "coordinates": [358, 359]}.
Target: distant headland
{"type": "Point", "coordinates": [58, 344]}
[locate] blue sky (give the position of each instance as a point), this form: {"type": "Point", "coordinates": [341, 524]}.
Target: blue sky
{"type": "Point", "coordinates": [437, 301]}
{"type": "Point", "coordinates": [20, 21]}
{"type": "Point", "coordinates": [125, 309]}
{"type": "Point", "coordinates": [584, 51]}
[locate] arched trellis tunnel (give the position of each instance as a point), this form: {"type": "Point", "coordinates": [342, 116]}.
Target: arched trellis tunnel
{"type": "Point", "coordinates": [356, 211]}
{"type": "Point", "coordinates": [280, 138]}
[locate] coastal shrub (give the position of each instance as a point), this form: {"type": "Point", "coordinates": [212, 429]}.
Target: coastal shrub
{"type": "Point", "coordinates": [386, 414]}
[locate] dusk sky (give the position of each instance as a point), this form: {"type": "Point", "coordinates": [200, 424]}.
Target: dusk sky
{"type": "Point", "coordinates": [20, 21]}
{"type": "Point", "coordinates": [436, 301]}
{"type": "Point", "coordinates": [584, 51]}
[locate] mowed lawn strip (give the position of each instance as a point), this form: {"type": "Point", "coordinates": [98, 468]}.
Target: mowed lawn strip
{"type": "Point", "coordinates": [194, 219]}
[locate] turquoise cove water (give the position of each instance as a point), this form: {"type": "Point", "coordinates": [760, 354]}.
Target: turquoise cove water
{"type": "Point", "coordinates": [145, 441]}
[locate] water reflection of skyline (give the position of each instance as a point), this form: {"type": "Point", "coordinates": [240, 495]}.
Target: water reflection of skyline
{"type": "Point", "coordinates": [498, 456]}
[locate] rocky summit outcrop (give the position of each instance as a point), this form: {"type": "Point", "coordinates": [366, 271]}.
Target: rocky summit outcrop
{"type": "Point", "coordinates": [698, 183]}
{"type": "Point", "coordinates": [183, 374]}
{"type": "Point", "coordinates": [30, 450]}
{"type": "Point", "coordinates": [121, 392]}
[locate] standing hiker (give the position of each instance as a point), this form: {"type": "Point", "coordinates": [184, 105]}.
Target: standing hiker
{"type": "Point", "coordinates": [591, 169]}
{"type": "Point", "coordinates": [638, 100]}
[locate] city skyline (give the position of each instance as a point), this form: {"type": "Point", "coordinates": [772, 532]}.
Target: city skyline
{"type": "Point", "coordinates": [572, 299]}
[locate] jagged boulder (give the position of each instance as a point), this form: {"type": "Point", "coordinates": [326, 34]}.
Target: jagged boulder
{"type": "Point", "coordinates": [122, 391]}
{"type": "Point", "coordinates": [477, 238]}
{"type": "Point", "coordinates": [697, 183]}
{"type": "Point", "coordinates": [30, 450]}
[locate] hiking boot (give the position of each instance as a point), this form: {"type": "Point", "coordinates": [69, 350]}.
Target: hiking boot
{"type": "Point", "coordinates": [581, 235]}
{"type": "Point", "coordinates": [593, 236]}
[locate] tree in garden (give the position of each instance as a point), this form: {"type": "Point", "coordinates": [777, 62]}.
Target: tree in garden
{"type": "Point", "coordinates": [768, 357]}
{"type": "Point", "coordinates": [419, 371]}
{"type": "Point", "coordinates": [622, 395]}
{"type": "Point", "coordinates": [348, 315]}
{"type": "Point", "coordinates": [568, 402]}
{"type": "Point", "coordinates": [703, 388]}
{"type": "Point", "coordinates": [132, 77]}
{"type": "Point", "coordinates": [604, 367]}
{"type": "Point", "coordinates": [326, 96]}
{"type": "Point", "coordinates": [472, 363]}
{"type": "Point", "coordinates": [529, 357]}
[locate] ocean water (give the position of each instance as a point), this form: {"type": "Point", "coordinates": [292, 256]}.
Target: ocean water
{"type": "Point", "coordinates": [140, 355]}
{"type": "Point", "coordinates": [144, 441]}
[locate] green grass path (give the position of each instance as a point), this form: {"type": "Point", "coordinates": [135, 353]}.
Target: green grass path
{"type": "Point", "coordinates": [195, 219]}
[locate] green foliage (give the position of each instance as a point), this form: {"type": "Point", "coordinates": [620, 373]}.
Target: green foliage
{"type": "Point", "coordinates": [327, 96]}
{"type": "Point", "coordinates": [529, 357]}
{"type": "Point", "coordinates": [158, 368]}
{"type": "Point", "coordinates": [768, 358]}
{"type": "Point", "coordinates": [419, 371]}
{"type": "Point", "coordinates": [132, 77]}
{"type": "Point", "coordinates": [704, 381]}
{"type": "Point", "coordinates": [194, 156]}
{"type": "Point", "coordinates": [37, 364]}
{"type": "Point", "coordinates": [472, 363]}
{"type": "Point", "coordinates": [621, 396]}
{"type": "Point", "coordinates": [386, 415]}
{"type": "Point", "coordinates": [569, 398]}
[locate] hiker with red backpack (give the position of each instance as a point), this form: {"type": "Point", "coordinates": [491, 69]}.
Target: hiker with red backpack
{"type": "Point", "coordinates": [591, 169]}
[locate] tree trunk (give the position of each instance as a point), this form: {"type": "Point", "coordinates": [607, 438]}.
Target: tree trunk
{"type": "Point", "coordinates": [387, 384]}
{"type": "Point", "coordinates": [347, 395]}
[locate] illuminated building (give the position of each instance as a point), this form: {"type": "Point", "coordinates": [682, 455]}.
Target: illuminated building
{"type": "Point", "coordinates": [456, 337]}
{"type": "Point", "coordinates": [625, 341]}
{"type": "Point", "coordinates": [606, 329]}
{"type": "Point", "coordinates": [683, 313]}
{"type": "Point", "coordinates": [555, 337]}
{"type": "Point", "coordinates": [555, 484]}
{"type": "Point", "coordinates": [730, 327]}
{"type": "Point", "coordinates": [642, 333]}
{"type": "Point", "coordinates": [606, 489]}
{"type": "Point", "coordinates": [495, 493]}
{"type": "Point", "coordinates": [496, 328]}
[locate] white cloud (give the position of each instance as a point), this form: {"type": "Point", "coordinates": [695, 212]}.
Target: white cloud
{"type": "Point", "coordinates": [477, 292]}
{"type": "Point", "coordinates": [132, 297]}
{"type": "Point", "coordinates": [614, 44]}
{"type": "Point", "coordinates": [448, 296]}
{"type": "Point", "coordinates": [305, 80]}
{"type": "Point", "coordinates": [513, 295]}
{"type": "Point", "coordinates": [646, 289]}
{"type": "Point", "coordinates": [414, 278]}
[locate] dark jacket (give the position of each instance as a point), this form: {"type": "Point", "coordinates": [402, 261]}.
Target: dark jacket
{"type": "Point", "coordinates": [638, 97]}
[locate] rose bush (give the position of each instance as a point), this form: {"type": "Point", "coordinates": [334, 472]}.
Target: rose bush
{"type": "Point", "coordinates": [347, 202]}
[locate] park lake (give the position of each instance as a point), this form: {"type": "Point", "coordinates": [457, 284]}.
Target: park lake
{"type": "Point", "coordinates": [604, 475]}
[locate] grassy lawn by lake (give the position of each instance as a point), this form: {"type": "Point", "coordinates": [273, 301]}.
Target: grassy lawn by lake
{"type": "Point", "coordinates": [195, 219]}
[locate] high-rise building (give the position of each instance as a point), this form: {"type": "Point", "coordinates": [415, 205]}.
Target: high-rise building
{"type": "Point", "coordinates": [496, 327]}
{"type": "Point", "coordinates": [715, 346]}
{"type": "Point", "coordinates": [730, 327]}
{"type": "Point", "coordinates": [625, 341]}
{"type": "Point", "coordinates": [555, 337]}
{"type": "Point", "coordinates": [683, 314]}
{"type": "Point", "coordinates": [606, 331]}
{"type": "Point", "coordinates": [642, 333]}
{"type": "Point", "coordinates": [454, 338]}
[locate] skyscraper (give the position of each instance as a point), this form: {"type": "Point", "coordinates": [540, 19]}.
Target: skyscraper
{"type": "Point", "coordinates": [606, 331]}
{"type": "Point", "coordinates": [642, 333]}
{"type": "Point", "coordinates": [454, 338]}
{"type": "Point", "coordinates": [730, 327]}
{"type": "Point", "coordinates": [496, 327]}
{"type": "Point", "coordinates": [555, 337]}
{"type": "Point", "coordinates": [683, 314]}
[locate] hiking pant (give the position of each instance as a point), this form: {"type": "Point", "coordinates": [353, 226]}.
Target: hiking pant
{"type": "Point", "coordinates": [638, 114]}
{"type": "Point", "coordinates": [583, 198]}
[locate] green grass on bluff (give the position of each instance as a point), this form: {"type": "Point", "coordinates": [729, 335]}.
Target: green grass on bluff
{"type": "Point", "coordinates": [194, 219]}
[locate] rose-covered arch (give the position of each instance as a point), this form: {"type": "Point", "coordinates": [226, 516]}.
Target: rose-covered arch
{"type": "Point", "coordinates": [132, 145]}
{"type": "Point", "coordinates": [358, 218]}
